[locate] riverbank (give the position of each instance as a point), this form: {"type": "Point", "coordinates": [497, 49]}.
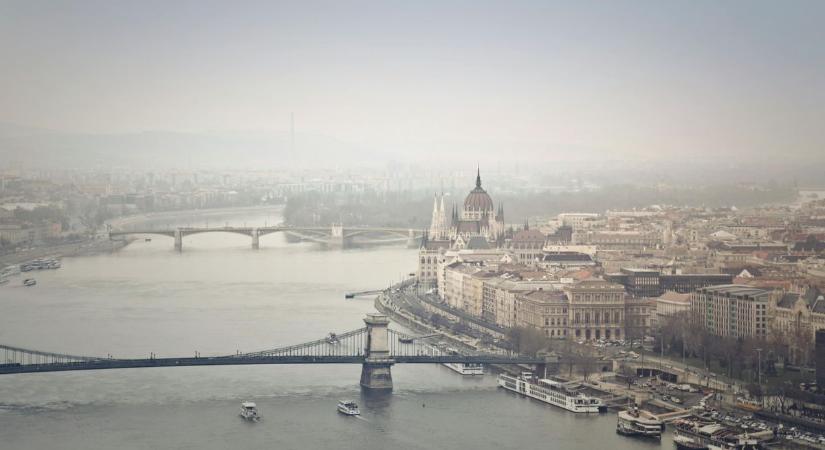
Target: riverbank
{"type": "Point", "coordinates": [83, 248]}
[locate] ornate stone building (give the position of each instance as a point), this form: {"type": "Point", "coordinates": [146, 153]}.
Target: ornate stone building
{"type": "Point", "coordinates": [597, 310]}
{"type": "Point", "coordinates": [796, 319]}
{"type": "Point", "coordinates": [478, 216]}
{"type": "Point", "coordinates": [478, 226]}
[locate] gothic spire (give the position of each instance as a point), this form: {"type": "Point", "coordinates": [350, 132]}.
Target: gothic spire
{"type": "Point", "coordinates": [478, 177]}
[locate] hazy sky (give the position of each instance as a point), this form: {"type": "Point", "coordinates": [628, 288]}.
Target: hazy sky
{"type": "Point", "coordinates": [613, 77]}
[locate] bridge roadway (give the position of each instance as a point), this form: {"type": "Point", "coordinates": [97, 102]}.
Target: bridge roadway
{"type": "Point", "coordinates": [375, 347]}
{"type": "Point", "coordinates": [102, 364]}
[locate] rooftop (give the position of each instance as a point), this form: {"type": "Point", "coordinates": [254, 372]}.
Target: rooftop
{"type": "Point", "coordinates": [737, 290]}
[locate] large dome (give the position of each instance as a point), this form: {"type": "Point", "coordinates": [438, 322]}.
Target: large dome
{"type": "Point", "coordinates": [478, 199]}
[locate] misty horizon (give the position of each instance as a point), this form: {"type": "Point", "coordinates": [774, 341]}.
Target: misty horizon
{"type": "Point", "coordinates": [642, 81]}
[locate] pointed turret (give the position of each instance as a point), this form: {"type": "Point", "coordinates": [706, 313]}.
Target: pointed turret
{"type": "Point", "coordinates": [442, 221]}
{"type": "Point", "coordinates": [526, 225]}
{"type": "Point", "coordinates": [435, 218]}
{"type": "Point", "coordinates": [478, 177]}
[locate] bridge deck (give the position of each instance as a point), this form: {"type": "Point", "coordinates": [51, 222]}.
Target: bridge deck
{"type": "Point", "coordinates": [103, 364]}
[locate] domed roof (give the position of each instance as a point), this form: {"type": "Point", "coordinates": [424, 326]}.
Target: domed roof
{"type": "Point", "coordinates": [478, 198]}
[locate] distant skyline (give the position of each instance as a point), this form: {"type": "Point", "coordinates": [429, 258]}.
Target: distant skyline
{"type": "Point", "coordinates": [457, 80]}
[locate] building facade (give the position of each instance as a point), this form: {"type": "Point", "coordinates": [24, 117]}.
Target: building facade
{"type": "Point", "coordinates": [732, 311]}
{"type": "Point", "coordinates": [596, 310]}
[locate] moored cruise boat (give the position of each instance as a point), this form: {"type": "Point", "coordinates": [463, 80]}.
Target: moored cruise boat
{"type": "Point", "coordinates": [464, 368]}
{"type": "Point", "coordinates": [636, 422]}
{"type": "Point", "coordinates": [697, 435]}
{"type": "Point", "coordinates": [554, 393]}
{"type": "Point", "coordinates": [348, 407]}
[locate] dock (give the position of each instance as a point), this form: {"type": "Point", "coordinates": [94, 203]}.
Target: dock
{"type": "Point", "coordinates": [362, 293]}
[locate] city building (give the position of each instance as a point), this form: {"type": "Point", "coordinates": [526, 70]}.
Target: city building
{"type": "Point", "coordinates": [652, 283]}
{"type": "Point", "coordinates": [478, 227]}
{"type": "Point", "coordinates": [545, 310]}
{"type": "Point", "coordinates": [797, 318]}
{"type": "Point", "coordinates": [560, 259]}
{"type": "Point", "coordinates": [478, 216]}
{"type": "Point", "coordinates": [596, 310]}
{"type": "Point", "coordinates": [527, 244]}
{"type": "Point", "coordinates": [732, 310]}
{"type": "Point", "coordinates": [671, 304]}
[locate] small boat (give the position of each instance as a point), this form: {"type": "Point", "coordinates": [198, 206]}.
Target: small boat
{"type": "Point", "coordinates": [348, 408]}
{"type": "Point", "coordinates": [249, 411]}
{"type": "Point", "coordinates": [348, 296]}
{"type": "Point", "coordinates": [147, 240]}
{"type": "Point", "coordinates": [29, 282]}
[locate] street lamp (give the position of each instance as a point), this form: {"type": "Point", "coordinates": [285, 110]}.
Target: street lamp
{"type": "Point", "coordinates": [759, 367]}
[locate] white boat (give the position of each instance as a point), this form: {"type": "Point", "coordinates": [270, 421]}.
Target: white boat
{"type": "Point", "coordinates": [29, 282]}
{"type": "Point", "coordinates": [348, 407]}
{"type": "Point", "coordinates": [463, 368]}
{"type": "Point", "coordinates": [636, 422]}
{"type": "Point", "coordinates": [466, 368]}
{"type": "Point", "coordinates": [554, 393]}
{"type": "Point", "coordinates": [249, 411]}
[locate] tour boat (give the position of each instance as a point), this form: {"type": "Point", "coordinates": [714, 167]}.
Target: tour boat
{"type": "Point", "coordinates": [697, 435]}
{"type": "Point", "coordinates": [554, 393]}
{"type": "Point", "coordinates": [29, 282]}
{"type": "Point", "coordinates": [466, 368]}
{"type": "Point", "coordinates": [636, 422]}
{"type": "Point", "coordinates": [249, 411]}
{"type": "Point", "coordinates": [348, 408]}
{"type": "Point", "coordinates": [463, 368]}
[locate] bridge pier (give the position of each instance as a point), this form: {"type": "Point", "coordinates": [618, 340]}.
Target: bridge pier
{"type": "Point", "coordinates": [178, 240]}
{"type": "Point", "coordinates": [336, 235]}
{"type": "Point", "coordinates": [255, 239]}
{"type": "Point", "coordinates": [411, 241]}
{"type": "Point", "coordinates": [375, 372]}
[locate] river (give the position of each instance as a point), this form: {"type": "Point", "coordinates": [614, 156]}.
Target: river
{"type": "Point", "coordinates": [219, 296]}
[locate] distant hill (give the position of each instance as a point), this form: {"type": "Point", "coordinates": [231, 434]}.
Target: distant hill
{"type": "Point", "coordinates": [48, 149]}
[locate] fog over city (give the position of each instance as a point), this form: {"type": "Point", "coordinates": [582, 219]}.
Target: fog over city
{"type": "Point", "coordinates": [566, 225]}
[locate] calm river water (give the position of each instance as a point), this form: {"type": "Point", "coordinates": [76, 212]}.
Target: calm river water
{"type": "Point", "coordinates": [219, 296]}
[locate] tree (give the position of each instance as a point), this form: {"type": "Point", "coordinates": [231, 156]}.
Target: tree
{"type": "Point", "coordinates": [527, 340]}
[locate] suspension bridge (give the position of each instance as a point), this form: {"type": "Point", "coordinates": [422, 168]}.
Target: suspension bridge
{"type": "Point", "coordinates": [375, 347]}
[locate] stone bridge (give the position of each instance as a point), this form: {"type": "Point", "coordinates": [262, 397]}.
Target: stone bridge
{"type": "Point", "coordinates": [335, 235]}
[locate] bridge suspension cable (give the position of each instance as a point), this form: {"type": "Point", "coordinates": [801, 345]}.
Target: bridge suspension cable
{"type": "Point", "coordinates": [350, 343]}
{"type": "Point", "coordinates": [22, 356]}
